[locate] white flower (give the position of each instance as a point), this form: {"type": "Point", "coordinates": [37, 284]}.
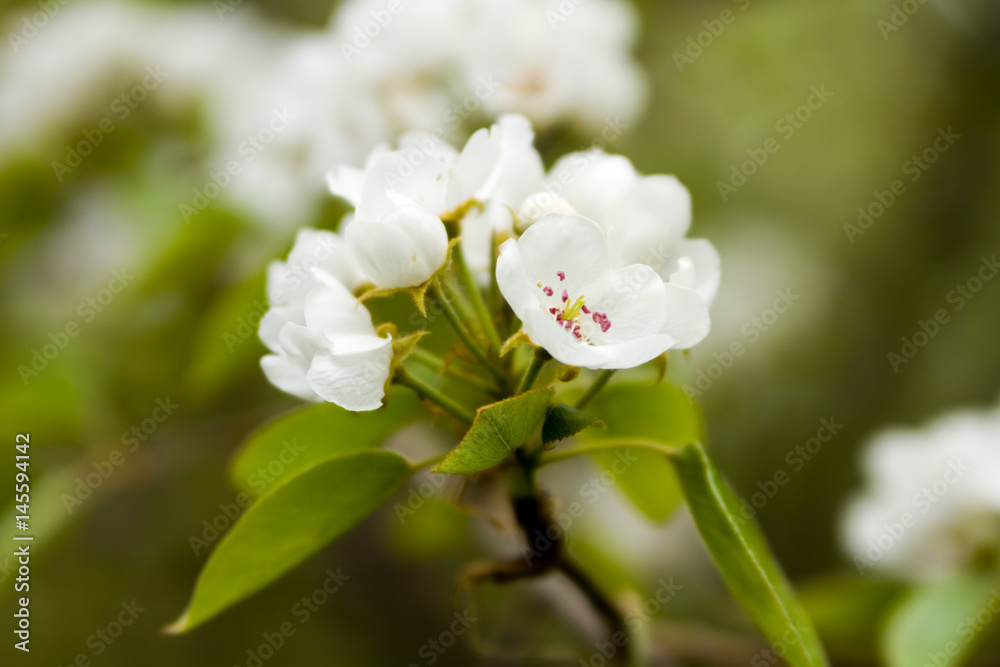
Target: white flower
{"type": "Point", "coordinates": [646, 218]}
{"type": "Point", "coordinates": [560, 281]}
{"type": "Point", "coordinates": [932, 501]}
{"type": "Point", "coordinates": [323, 341]}
{"type": "Point", "coordinates": [401, 196]}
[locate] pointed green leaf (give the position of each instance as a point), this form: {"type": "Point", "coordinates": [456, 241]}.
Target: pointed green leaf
{"type": "Point", "coordinates": [937, 624]}
{"type": "Point", "coordinates": [293, 442]}
{"type": "Point", "coordinates": [564, 421]}
{"type": "Point", "coordinates": [662, 413]}
{"type": "Point", "coordinates": [288, 524]}
{"type": "Point", "coordinates": [498, 430]}
{"type": "Point", "coordinates": [745, 560]}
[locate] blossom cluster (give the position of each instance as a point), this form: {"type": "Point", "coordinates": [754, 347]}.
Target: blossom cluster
{"type": "Point", "coordinates": [377, 69]}
{"type": "Point", "coordinates": [599, 270]}
{"type": "Point", "coordinates": [931, 505]}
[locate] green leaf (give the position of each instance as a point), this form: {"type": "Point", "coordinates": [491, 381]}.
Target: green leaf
{"type": "Point", "coordinates": [746, 563]}
{"type": "Point", "coordinates": [498, 430]}
{"type": "Point", "coordinates": [937, 624]}
{"type": "Point", "coordinates": [662, 413]}
{"type": "Point", "coordinates": [291, 443]}
{"type": "Point", "coordinates": [564, 421]}
{"type": "Point", "coordinates": [288, 524]}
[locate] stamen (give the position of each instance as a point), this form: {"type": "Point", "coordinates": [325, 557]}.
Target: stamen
{"type": "Point", "coordinates": [583, 307]}
{"type": "Point", "coordinates": [548, 290]}
{"type": "Point", "coordinates": [561, 274]}
{"type": "Point", "coordinates": [565, 296]}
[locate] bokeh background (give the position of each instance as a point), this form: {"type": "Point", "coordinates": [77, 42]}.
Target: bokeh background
{"type": "Point", "coordinates": [178, 331]}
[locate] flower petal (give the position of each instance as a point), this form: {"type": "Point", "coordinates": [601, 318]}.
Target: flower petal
{"type": "Point", "coordinates": [657, 208]}
{"type": "Point", "coordinates": [571, 244]}
{"type": "Point", "coordinates": [335, 311]}
{"type": "Point", "coordinates": [403, 249]}
{"type": "Point", "coordinates": [592, 181]}
{"type": "Point", "coordinates": [288, 375]}
{"type": "Point", "coordinates": [687, 316]}
{"type": "Point", "coordinates": [354, 378]}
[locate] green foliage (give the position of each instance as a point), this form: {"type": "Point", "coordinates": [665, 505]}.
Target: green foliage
{"type": "Point", "coordinates": [499, 429]}
{"type": "Point", "coordinates": [292, 443]}
{"type": "Point", "coordinates": [746, 562]}
{"type": "Point", "coordinates": [660, 413]}
{"type": "Point", "coordinates": [848, 613]}
{"type": "Point", "coordinates": [289, 523]}
{"type": "Point", "coordinates": [564, 421]}
{"type": "Point", "coordinates": [938, 623]}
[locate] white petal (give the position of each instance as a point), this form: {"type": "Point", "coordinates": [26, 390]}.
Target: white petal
{"type": "Point", "coordinates": [335, 311]}
{"type": "Point", "coordinates": [411, 173]}
{"type": "Point", "coordinates": [656, 207]}
{"type": "Point", "coordinates": [706, 264]}
{"type": "Point", "coordinates": [288, 375]}
{"type": "Point", "coordinates": [403, 249]}
{"type": "Point", "coordinates": [571, 244]}
{"type": "Point", "coordinates": [592, 181]}
{"type": "Point", "coordinates": [687, 316]}
{"type": "Point", "coordinates": [355, 378]}
{"type": "Point", "coordinates": [638, 351]}
{"type": "Point", "coordinates": [271, 324]}
{"type": "Point", "coordinates": [346, 182]}
{"type": "Point", "coordinates": [474, 168]}
{"type": "Point", "coordinates": [635, 301]}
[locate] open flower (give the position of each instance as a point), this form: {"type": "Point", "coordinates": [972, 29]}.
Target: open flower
{"type": "Point", "coordinates": [646, 218]}
{"type": "Point", "coordinates": [401, 197]}
{"type": "Point", "coordinates": [335, 356]}
{"type": "Point", "coordinates": [316, 257]}
{"type": "Point", "coordinates": [323, 343]}
{"type": "Point", "coordinates": [560, 281]}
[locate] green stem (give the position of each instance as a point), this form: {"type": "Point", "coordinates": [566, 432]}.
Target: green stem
{"type": "Point", "coordinates": [595, 388]}
{"type": "Point", "coordinates": [538, 360]}
{"type": "Point", "coordinates": [464, 334]}
{"type": "Point", "coordinates": [468, 282]}
{"type": "Point", "coordinates": [407, 379]}
{"type": "Point", "coordinates": [439, 365]}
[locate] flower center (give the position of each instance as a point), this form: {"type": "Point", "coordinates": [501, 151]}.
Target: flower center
{"type": "Point", "coordinates": [573, 314]}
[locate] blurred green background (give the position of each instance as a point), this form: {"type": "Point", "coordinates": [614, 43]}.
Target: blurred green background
{"type": "Point", "coordinates": [177, 332]}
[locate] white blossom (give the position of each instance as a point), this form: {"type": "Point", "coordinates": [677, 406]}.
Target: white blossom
{"type": "Point", "coordinates": [323, 341]}
{"type": "Point", "coordinates": [560, 281]}
{"type": "Point", "coordinates": [646, 218]}
{"type": "Point", "coordinates": [931, 502]}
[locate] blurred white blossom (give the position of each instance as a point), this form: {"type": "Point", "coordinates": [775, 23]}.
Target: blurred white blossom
{"type": "Point", "coordinates": [931, 504]}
